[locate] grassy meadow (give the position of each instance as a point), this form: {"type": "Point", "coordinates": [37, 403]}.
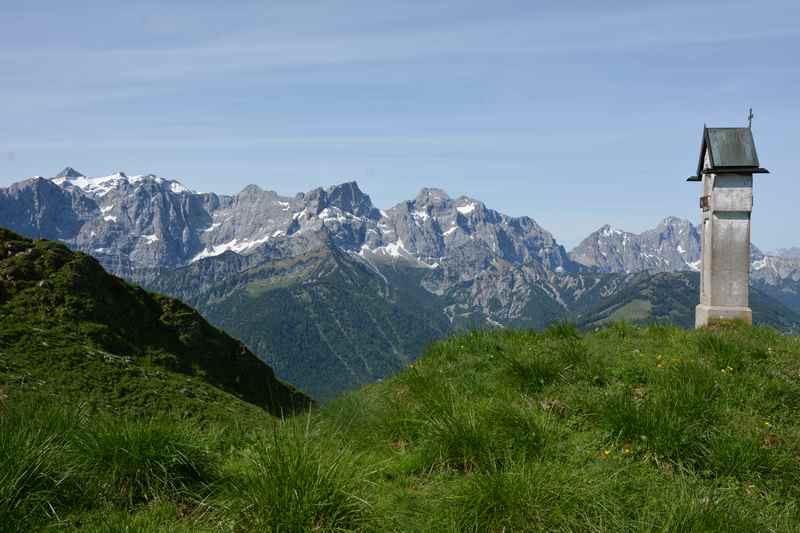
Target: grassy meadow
{"type": "Point", "coordinates": [627, 428]}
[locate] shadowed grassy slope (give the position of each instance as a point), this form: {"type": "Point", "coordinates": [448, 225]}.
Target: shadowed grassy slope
{"type": "Point", "coordinates": [70, 329]}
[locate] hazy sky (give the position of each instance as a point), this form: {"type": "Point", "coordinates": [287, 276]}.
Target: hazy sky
{"type": "Point", "coordinates": [575, 113]}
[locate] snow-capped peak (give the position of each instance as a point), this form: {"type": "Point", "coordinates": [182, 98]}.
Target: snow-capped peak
{"type": "Point", "coordinates": [97, 186]}
{"type": "Point", "coordinates": [100, 186]}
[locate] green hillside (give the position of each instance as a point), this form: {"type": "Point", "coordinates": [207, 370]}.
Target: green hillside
{"type": "Point", "coordinates": [629, 428]}
{"type": "Point", "coordinates": [69, 330]}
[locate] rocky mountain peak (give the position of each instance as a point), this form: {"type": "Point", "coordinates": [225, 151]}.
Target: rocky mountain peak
{"type": "Point", "coordinates": [673, 245]}
{"type": "Point", "coordinates": [69, 172]}
{"type": "Point", "coordinates": [431, 196]}
{"type": "Point", "coordinates": [251, 190]}
{"type": "Point", "coordinates": [349, 197]}
{"type": "Point", "coordinates": [608, 230]}
{"type": "Point", "coordinates": [346, 196]}
{"type": "Point", "coordinates": [674, 223]}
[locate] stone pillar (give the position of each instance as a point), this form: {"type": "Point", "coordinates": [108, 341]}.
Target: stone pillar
{"type": "Point", "coordinates": [725, 270]}
{"type": "Point", "coordinates": [726, 166]}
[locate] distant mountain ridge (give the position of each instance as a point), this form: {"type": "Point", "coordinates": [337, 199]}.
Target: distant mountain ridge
{"type": "Point", "coordinates": [788, 253]}
{"type": "Point", "coordinates": [333, 292]}
{"type": "Point", "coordinates": [149, 221]}
{"type": "Point", "coordinates": [674, 246]}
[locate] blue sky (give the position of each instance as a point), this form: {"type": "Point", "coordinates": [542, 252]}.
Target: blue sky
{"type": "Point", "coordinates": [574, 113]}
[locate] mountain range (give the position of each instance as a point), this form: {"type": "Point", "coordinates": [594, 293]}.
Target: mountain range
{"type": "Point", "coordinates": [333, 292]}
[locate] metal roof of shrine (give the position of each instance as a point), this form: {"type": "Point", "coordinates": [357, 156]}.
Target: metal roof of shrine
{"type": "Point", "coordinates": [730, 151]}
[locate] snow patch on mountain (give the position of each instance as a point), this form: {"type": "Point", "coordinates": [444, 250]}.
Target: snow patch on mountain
{"type": "Point", "coordinates": [466, 209]}
{"type": "Point", "coordinates": [177, 187]}
{"type": "Point", "coordinates": [234, 245]}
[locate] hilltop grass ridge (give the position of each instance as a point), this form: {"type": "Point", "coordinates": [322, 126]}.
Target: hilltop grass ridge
{"type": "Point", "coordinates": [70, 329]}
{"type": "Point", "coordinates": [627, 428]}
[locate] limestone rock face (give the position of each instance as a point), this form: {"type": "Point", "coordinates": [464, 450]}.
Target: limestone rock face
{"type": "Point", "coordinates": [673, 245]}
{"type": "Point", "coordinates": [37, 207]}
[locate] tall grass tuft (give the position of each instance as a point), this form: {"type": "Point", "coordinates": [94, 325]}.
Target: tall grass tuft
{"type": "Point", "coordinates": [671, 417]}
{"type": "Point", "coordinates": [455, 433]}
{"type": "Point", "coordinates": [534, 372]}
{"type": "Point", "coordinates": [563, 330]}
{"type": "Point", "coordinates": [38, 474]}
{"type": "Point", "coordinates": [537, 496]}
{"type": "Point", "coordinates": [296, 479]}
{"type": "Point", "coordinates": [132, 461]}
{"type": "Point", "coordinates": [157, 517]}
